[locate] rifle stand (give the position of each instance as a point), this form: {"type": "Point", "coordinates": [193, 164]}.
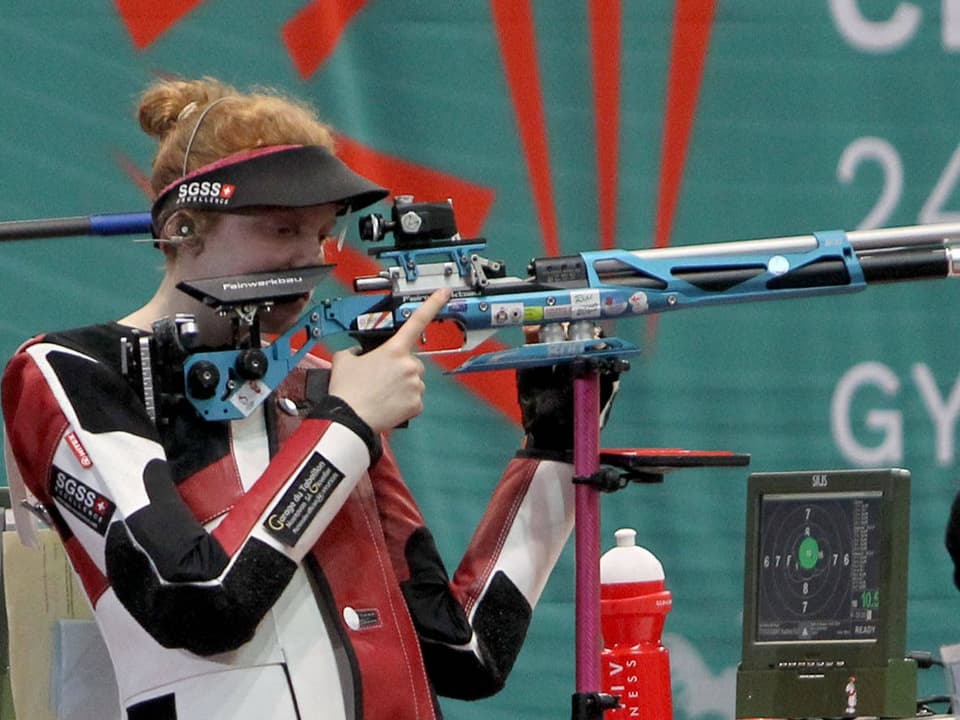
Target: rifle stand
{"type": "Point", "coordinates": [634, 465]}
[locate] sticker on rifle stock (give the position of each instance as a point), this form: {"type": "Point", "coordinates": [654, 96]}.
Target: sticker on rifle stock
{"type": "Point", "coordinates": [310, 490]}
{"type": "Point", "coordinates": [585, 303]}
{"type": "Point", "coordinates": [638, 302]}
{"type": "Point", "coordinates": [250, 396]}
{"type": "Point", "coordinates": [613, 306]}
{"type": "Point", "coordinates": [506, 314]}
{"type": "Point", "coordinates": [375, 321]}
{"type": "Point", "coordinates": [533, 314]}
{"type": "Point", "coordinates": [556, 312]}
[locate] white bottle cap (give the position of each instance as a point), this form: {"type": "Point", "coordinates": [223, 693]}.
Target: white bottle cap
{"type": "Point", "coordinates": [628, 562]}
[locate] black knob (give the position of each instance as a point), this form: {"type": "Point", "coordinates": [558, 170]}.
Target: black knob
{"type": "Point", "coordinates": [202, 380]}
{"type": "Point", "coordinates": [251, 364]}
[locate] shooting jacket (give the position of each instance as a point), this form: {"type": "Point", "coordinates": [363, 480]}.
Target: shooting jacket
{"type": "Point", "coordinates": [275, 567]}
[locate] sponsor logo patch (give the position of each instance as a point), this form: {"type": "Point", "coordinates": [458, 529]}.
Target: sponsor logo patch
{"type": "Point", "coordinates": [81, 452]}
{"type": "Point", "coordinates": [81, 500]}
{"type": "Point", "coordinates": [205, 192]}
{"type": "Point", "coordinates": [311, 489]}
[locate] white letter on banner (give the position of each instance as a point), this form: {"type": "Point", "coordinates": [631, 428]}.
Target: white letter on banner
{"type": "Point", "coordinates": [874, 148]}
{"type": "Point", "coordinates": [933, 209]}
{"type": "Point", "coordinates": [950, 12]}
{"type": "Point", "coordinates": [890, 422]}
{"type": "Point", "coordinates": [944, 418]}
{"type": "Point", "coordinates": [871, 36]}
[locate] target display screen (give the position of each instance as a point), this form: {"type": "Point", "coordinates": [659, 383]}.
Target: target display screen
{"type": "Point", "coordinates": [819, 567]}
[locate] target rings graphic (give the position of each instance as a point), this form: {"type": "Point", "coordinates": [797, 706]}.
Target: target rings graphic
{"type": "Point", "coordinates": [807, 564]}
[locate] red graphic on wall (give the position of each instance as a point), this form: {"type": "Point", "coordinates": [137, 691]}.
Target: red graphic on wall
{"type": "Point", "coordinates": [692, 22]}
{"type": "Point", "coordinates": [313, 33]}
{"type": "Point", "coordinates": [146, 20]}
{"type": "Point", "coordinates": [605, 32]}
{"type": "Point", "coordinates": [515, 30]}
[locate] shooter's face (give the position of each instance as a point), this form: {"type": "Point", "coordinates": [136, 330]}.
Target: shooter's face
{"type": "Point", "coordinates": [267, 239]}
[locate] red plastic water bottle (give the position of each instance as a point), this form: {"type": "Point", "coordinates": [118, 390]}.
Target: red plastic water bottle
{"type": "Point", "coordinates": [634, 603]}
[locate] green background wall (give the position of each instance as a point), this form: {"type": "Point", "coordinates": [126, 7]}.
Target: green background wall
{"type": "Point", "coordinates": [716, 121]}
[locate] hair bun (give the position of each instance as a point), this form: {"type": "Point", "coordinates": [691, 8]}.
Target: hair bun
{"type": "Point", "coordinates": [169, 101]}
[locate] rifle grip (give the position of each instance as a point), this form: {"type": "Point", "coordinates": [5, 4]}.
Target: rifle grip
{"type": "Point", "coordinates": [371, 339]}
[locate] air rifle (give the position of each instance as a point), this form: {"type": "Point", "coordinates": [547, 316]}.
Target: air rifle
{"type": "Point", "coordinates": [568, 297]}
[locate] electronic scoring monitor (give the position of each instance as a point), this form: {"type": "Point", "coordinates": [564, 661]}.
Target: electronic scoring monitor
{"type": "Point", "coordinates": [825, 590]}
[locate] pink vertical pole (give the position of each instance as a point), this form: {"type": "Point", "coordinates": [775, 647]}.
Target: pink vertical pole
{"type": "Point", "coordinates": [586, 462]}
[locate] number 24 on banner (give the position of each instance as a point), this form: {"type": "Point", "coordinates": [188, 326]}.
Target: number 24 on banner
{"type": "Point", "coordinates": [868, 148]}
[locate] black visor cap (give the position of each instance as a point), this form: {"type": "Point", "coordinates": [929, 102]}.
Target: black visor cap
{"type": "Point", "coordinates": [285, 176]}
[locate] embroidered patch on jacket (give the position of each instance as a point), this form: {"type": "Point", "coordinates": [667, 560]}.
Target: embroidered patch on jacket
{"type": "Point", "coordinates": [79, 451]}
{"type": "Point", "coordinates": [303, 499]}
{"type": "Point", "coordinates": [90, 506]}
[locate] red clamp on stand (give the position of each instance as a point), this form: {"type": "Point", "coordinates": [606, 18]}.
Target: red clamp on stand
{"type": "Point", "coordinates": [631, 465]}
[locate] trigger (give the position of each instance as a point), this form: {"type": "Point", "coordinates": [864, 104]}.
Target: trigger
{"type": "Point", "coordinates": [441, 336]}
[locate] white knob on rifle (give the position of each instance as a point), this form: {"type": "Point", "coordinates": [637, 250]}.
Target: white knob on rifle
{"type": "Point", "coordinates": [628, 562]}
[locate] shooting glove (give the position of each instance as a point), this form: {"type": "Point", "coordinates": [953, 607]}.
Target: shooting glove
{"type": "Point", "coordinates": [545, 395]}
{"type": "Point", "coordinates": [324, 406]}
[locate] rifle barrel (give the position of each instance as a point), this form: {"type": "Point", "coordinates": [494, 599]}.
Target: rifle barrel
{"type": "Point", "coordinates": [879, 239]}
{"type": "Point", "coordinates": [903, 236]}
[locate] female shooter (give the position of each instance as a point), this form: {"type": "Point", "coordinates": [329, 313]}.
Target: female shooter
{"type": "Point", "coordinates": [213, 603]}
